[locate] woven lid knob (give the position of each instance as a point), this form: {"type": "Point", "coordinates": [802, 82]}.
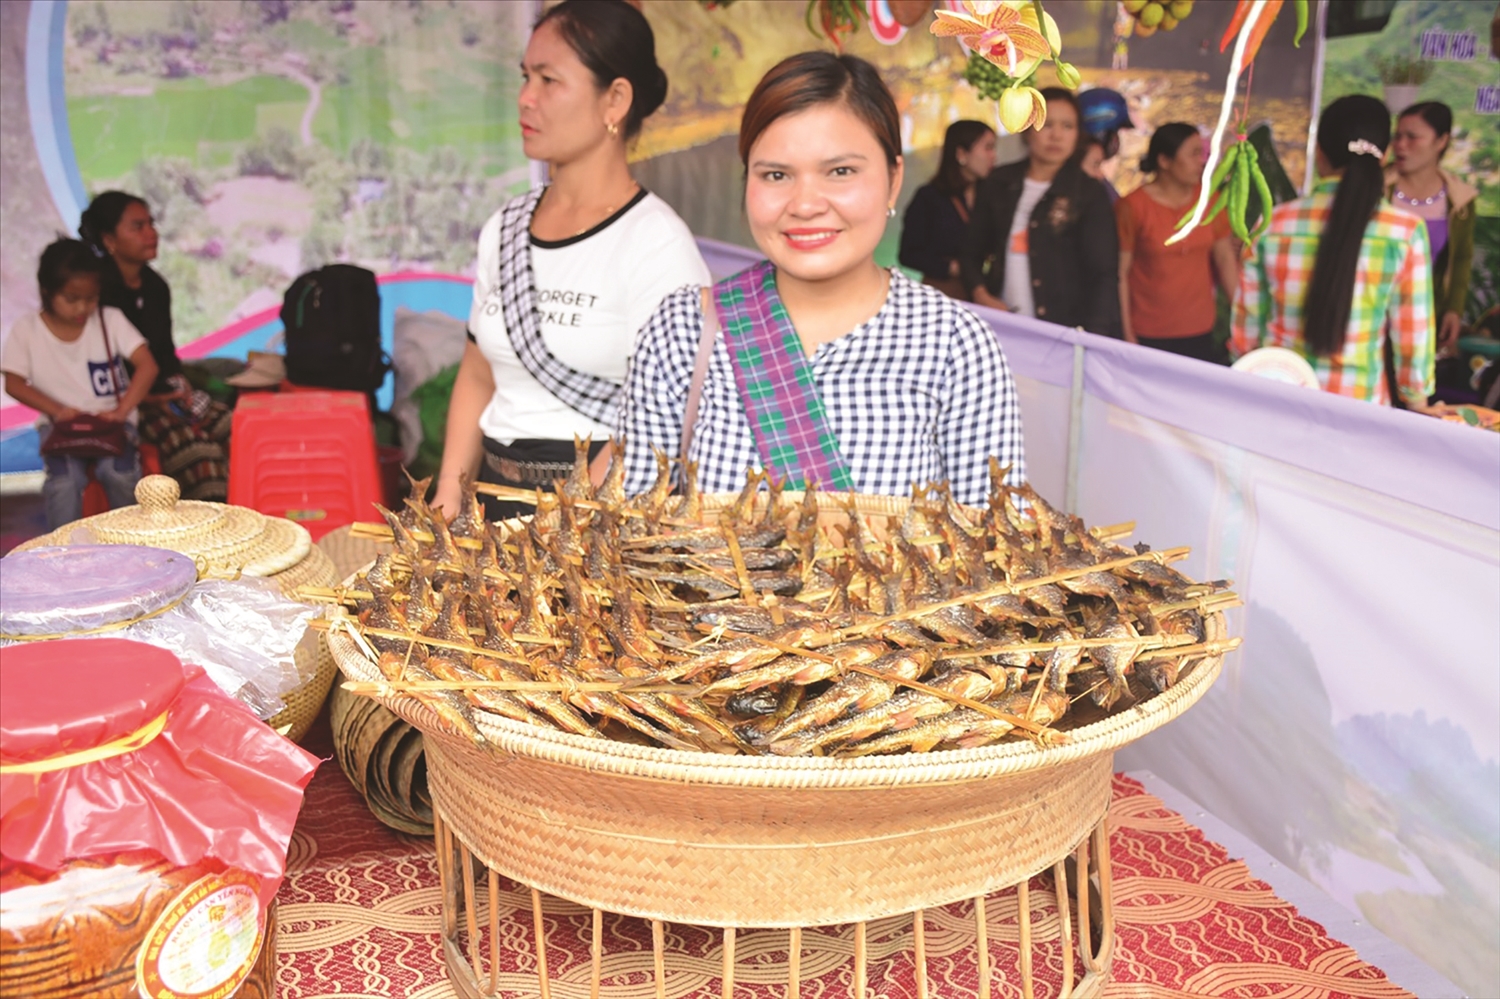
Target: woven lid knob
{"type": "Point", "coordinates": [157, 493]}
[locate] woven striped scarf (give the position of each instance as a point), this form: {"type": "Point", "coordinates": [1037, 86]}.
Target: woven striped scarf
{"type": "Point", "coordinates": [776, 383]}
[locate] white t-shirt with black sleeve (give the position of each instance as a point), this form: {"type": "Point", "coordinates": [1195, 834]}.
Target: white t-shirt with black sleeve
{"type": "Point", "coordinates": [594, 291]}
{"type": "Point", "coordinates": [918, 393]}
{"type": "Point", "coordinates": [75, 374]}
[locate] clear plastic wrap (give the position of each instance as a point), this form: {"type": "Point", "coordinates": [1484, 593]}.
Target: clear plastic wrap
{"type": "Point", "coordinates": [243, 632]}
{"type": "Point", "coordinates": [62, 592]}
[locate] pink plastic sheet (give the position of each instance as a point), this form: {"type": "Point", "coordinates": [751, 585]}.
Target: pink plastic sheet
{"type": "Point", "coordinates": [215, 784]}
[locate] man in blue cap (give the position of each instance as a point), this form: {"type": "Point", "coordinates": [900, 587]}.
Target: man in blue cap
{"type": "Point", "coordinates": [1104, 112]}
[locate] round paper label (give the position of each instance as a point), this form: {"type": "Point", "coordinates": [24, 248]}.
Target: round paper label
{"type": "Point", "coordinates": [205, 943]}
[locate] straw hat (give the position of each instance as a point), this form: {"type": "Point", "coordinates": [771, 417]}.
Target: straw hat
{"type": "Point", "coordinates": [224, 538]}
{"type": "Point", "coordinates": [264, 370]}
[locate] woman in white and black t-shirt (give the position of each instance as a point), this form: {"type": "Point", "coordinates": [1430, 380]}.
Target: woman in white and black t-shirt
{"type": "Point", "coordinates": [565, 275]}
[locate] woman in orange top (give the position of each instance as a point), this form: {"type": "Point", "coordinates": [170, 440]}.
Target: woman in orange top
{"type": "Point", "coordinates": [1167, 292]}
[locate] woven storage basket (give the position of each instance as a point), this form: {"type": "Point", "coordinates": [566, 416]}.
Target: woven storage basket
{"type": "Point", "coordinates": [224, 540]}
{"type": "Point", "coordinates": [751, 841]}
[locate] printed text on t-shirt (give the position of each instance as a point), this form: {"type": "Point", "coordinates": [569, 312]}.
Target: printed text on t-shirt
{"type": "Point", "coordinates": [99, 376]}
{"type": "Point", "coordinates": [578, 300]}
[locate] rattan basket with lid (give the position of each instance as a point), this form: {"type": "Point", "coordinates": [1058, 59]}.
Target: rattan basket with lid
{"type": "Point", "coordinates": [223, 540]}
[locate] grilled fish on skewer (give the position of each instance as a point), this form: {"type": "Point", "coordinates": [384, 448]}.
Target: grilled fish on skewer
{"type": "Point", "coordinates": [1115, 660]}
{"type": "Point", "coordinates": [856, 692]}
{"type": "Point", "coordinates": [831, 661]}
{"type": "Point", "coordinates": [903, 711]}
{"type": "Point", "coordinates": [690, 506]}
{"type": "Point", "coordinates": [951, 624]}
{"type": "Point", "coordinates": [411, 513]}
{"type": "Point", "coordinates": [470, 520]}
{"type": "Point", "coordinates": [888, 633]}
{"type": "Point", "coordinates": [652, 504]}
{"type": "Point", "coordinates": [1060, 662]}
{"type": "Point", "coordinates": [578, 485]}
{"type": "Point", "coordinates": [450, 708]}
{"type": "Point", "coordinates": [612, 490]}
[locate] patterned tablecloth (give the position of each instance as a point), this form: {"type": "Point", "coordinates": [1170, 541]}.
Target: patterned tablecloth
{"type": "Point", "coordinates": [360, 909]}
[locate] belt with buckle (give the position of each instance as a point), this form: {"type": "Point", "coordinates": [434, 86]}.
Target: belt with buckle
{"type": "Point", "coordinates": [529, 473]}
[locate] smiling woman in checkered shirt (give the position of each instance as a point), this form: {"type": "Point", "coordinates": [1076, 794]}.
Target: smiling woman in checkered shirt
{"type": "Point", "coordinates": [827, 366]}
{"type": "Point", "coordinates": [1339, 271]}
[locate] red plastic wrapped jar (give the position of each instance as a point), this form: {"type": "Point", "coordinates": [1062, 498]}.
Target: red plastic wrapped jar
{"type": "Point", "coordinates": [144, 824]}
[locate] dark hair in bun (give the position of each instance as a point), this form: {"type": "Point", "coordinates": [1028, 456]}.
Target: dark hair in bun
{"type": "Point", "coordinates": [102, 217]}
{"type": "Point", "coordinates": [615, 41]}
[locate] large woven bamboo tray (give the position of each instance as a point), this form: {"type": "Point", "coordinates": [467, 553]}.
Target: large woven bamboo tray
{"type": "Point", "coordinates": [753, 841]}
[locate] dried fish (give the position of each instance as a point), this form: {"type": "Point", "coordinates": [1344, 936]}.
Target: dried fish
{"type": "Point", "coordinates": [769, 627]}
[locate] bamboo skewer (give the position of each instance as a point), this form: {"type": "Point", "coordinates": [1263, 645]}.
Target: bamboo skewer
{"type": "Point", "coordinates": [1002, 589]}
{"type": "Point", "coordinates": [1143, 642]}
{"type": "Point", "coordinates": [384, 687]}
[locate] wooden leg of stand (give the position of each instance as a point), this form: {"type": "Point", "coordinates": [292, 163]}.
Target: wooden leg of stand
{"type": "Point", "coordinates": [860, 958]}
{"type": "Point", "coordinates": [471, 911]}
{"type": "Point", "coordinates": [919, 951]}
{"type": "Point", "coordinates": [1023, 902]}
{"type": "Point", "coordinates": [445, 874]}
{"type": "Point", "coordinates": [728, 976]}
{"type": "Point", "coordinates": [794, 963]}
{"type": "Point", "coordinates": [494, 886]}
{"type": "Point", "coordinates": [659, 957]}
{"type": "Point", "coordinates": [542, 978]}
{"type": "Point", "coordinates": [596, 954]}
{"type": "Point", "coordinates": [1065, 922]}
{"type": "Point", "coordinates": [1085, 936]}
{"type": "Point", "coordinates": [1105, 956]}
{"type": "Point", "coordinates": [982, 943]}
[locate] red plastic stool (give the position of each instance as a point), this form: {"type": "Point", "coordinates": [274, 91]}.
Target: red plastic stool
{"type": "Point", "coordinates": [307, 456]}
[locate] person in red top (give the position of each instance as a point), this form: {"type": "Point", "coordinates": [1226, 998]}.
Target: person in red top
{"type": "Point", "coordinates": [1167, 292]}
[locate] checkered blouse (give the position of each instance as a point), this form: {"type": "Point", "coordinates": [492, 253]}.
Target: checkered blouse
{"type": "Point", "coordinates": [1393, 282]}
{"type": "Point", "coordinates": [919, 393]}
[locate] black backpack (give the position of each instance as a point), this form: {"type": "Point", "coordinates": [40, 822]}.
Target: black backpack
{"type": "Point", "coordinates": [332, 320]}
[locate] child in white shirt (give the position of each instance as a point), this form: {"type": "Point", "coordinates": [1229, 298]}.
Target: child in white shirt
{"type": "Point", "coordinates": [56, 361]}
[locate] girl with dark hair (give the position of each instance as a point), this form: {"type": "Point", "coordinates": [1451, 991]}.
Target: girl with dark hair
{"type": "Point", "coordinates": [189, 430]}
{"type": "Point", "coordinates": [68, 361]}
{"type": "Point", "coordinates": [817, 364]}
{"type": "Point", "coordinates": [1340, 270]}
{"type": "Point", "coordinates": [1042, 238]}
{"type": "Point", "coordinates": [566, 274]}
{"type": "Point", "coordinates": [1167, 292]}
{"type": "Point", "coordinates": [939, 212]}
{"type": "Point", "coordinates": [1416, 182]}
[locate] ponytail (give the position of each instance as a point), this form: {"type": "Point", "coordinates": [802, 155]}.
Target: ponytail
{"type": "Point", "coordinates": [1353, 134]}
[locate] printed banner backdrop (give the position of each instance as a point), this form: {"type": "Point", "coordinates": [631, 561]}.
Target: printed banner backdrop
{"type": "Point", "coordinates": [1353, 735]}
{"type": "Point", "coordinates": [1453, 41]}
{"type": "Point", "coordinates": [714, 57]}
{"type": "Point", "coordinates": [269, 138]}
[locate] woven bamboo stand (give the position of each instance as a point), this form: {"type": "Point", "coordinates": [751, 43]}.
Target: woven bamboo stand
{"type": "Point", "coordinates": [759, 842]}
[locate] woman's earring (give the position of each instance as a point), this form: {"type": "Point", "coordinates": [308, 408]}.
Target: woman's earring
{"type": "Point", "coordinates": [890, 212]}
{"type": "Point", "coordinates": [612, 127]}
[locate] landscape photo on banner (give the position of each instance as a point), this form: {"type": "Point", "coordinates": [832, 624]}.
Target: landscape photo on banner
{"type": "Point", "coordinates": [268, 138]}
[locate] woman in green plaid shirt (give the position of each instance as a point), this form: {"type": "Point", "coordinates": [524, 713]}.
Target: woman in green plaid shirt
{"type": "Point", "coordinates": [1340, 270]}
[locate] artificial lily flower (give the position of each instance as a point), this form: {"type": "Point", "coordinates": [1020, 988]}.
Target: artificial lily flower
{"type": "Point", "coordinates": [1022, 108]}
{"type": "Point", "coordinates": [1003, 31]}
